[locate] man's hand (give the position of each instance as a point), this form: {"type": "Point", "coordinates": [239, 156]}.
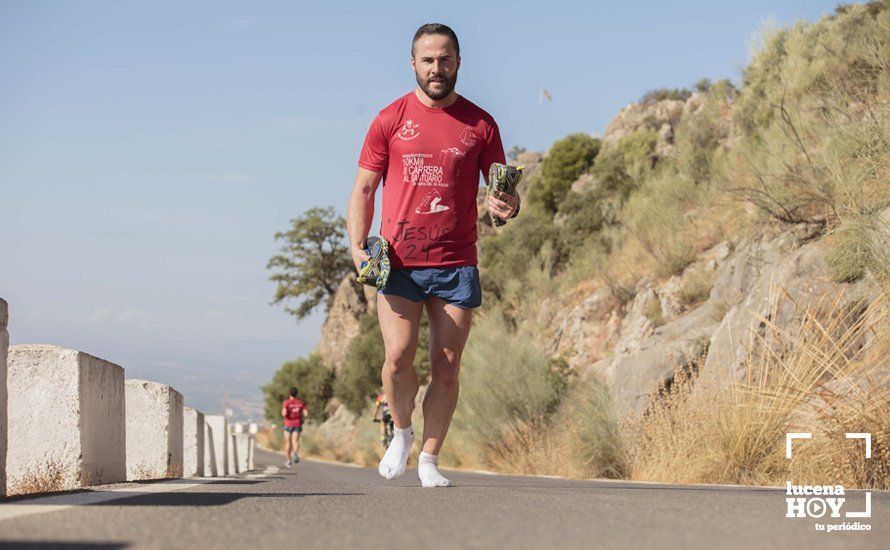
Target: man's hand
{"type": "Point", "coordinates": [503, 205]}
{"type": "Point", "coordinates": [359, 255]}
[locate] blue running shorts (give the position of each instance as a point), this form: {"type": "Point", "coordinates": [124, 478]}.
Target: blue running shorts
{"type": "Point", "coordinates": [459, 286]}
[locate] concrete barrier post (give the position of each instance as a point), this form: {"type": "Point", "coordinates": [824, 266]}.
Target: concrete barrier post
{"type": "Point", "coordinates": [66, 419]}
{"type": "Point", "coordinates": [4, 350]}
{"type": "Point", "coordinates": [242, 451]}
{"type": "Point", "coordinates": [232, 454]}
{"type": "Point", "coordinates": [154, 431]}
{"type": "Point", "coordinates": [193, 442]}
{"type": "Point", "coordinates": [252, 450]}
{"type": "Point", "coordinates": [209, 455]}
{"type": "Point", "coordinates": [215, 445]}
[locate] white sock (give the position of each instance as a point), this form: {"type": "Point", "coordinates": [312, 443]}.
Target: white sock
{"type": "Point", "coordinates": [428, 471]}
{"type": "Point", "coordinates": [393, 463]}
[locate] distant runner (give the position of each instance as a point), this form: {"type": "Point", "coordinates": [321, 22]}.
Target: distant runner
{"type": "Point", "coordinates": [382, 406]}
{"type": "Point", "coordinates": [294, 411]}
{"type": "Point", "coordinates": [428, 147]}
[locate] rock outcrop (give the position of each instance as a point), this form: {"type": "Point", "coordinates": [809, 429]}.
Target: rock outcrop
{"type": "Point", "coordinates": [774, 279]}
{"type": "Point", "coordinates": [583, 334]}
{"type": "Point", "coordinates": [638, 350]}
{"type": "Point", "coordinates": [638, 115]}
{"type": "Point", "coordinates": [351, 301]}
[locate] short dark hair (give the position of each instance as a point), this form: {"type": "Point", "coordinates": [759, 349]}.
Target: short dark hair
{"type": "Point", "coordinates": [293, 391]}
{"type": "Point", "coordinates": [435, 28]}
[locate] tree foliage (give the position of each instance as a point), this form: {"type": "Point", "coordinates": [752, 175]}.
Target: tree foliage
{"type": "Point", "coordinates": [310, 376]}
{"type": "Point", "coordinates": [312, 261]}
{"type": "Point", "coordinates": [567, 159]}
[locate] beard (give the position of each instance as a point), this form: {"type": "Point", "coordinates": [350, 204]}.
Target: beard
{"type": "Point", "coordinates": [437, 93]}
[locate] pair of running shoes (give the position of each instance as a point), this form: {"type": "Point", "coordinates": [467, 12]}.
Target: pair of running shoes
{"type": "Point", "coordinates": [502, 180]}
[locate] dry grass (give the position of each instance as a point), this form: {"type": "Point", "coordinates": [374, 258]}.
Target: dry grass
{"type": "Point", "coordinates": [359, 446]}
{"type": "Point", "coordinates": [44, 479]}
{"type": "Point", "coordinates": [270, 438]}
{"type": "Point", "coordinates": [582, 439]}
{"type": "Point", "coordinates": [652, 311]}
{"type": "Point", "coordinates": [696, 285]}
{"type": "Point", "coordinates": [825, 376]}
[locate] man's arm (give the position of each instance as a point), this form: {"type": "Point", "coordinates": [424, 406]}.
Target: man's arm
{"type": "Point", "coordinates": [305, 413]}
{"type": "Point", "coordinates": [361, 213]}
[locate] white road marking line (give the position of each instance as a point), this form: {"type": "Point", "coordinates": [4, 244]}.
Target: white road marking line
{"type": "Point", "coordinates": [270, 470]}
{"type": "Point", "coordinates": [55, 503]}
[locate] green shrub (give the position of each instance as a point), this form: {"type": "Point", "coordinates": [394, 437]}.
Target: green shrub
{"type": "Point", "coordinates": [847, 249]}
{"type": "Point", "coordinates": [695, 286]}
{"type": "Point", "coordinates": [621, 166]}
{"type": "Point", "coordinates": [652, 311]}
{"type": "Point", "coordinates": [313, 379]}
{"type": "Point", "coordinates": [814, 106]}
{"type": "Point", "coordinates": [660, 94]}
{"type": "Point", "coordinates": [656, 215]}
{"type": "Point", "coordinates": [703, 85]}
{"type": "Point", "coordinates": [697, 138]}
{"type": "Point", "coordinates": [597, 445]}
{"type": "Point", "coordinates": [567, 159]}
{"type": "Point", "coordinates": [506, 256]}
{"type": "Point", "coordinates": [584, 217]}
{"type": "Point", "coordinates": [508, 389]}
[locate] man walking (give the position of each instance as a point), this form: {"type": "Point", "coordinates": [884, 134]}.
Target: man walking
{"type": "Point", "coordinates": [294, 411]}
{"type": "Point", "coordinates": [428, 147]}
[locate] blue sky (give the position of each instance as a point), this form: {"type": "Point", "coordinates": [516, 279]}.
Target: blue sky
{"type": "Point", "coordinates": [149, 151]}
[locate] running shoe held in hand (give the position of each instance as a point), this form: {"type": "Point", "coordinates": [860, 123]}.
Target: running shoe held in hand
{"type": "Point", "coordinates": [375, 271]}
{"type": "Point", "coordinates": [503, 179]}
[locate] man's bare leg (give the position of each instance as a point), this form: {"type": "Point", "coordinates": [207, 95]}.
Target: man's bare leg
{"type": "Point", "coordinates": [287, 447]}
{"type": "Point", "coordinates": [449, 329]}
{"type": "Point", "coordinates": [296, 446]}
{"type": "Point", "coordinates": [399, 323]}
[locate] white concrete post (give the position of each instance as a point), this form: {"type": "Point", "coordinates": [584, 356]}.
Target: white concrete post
{"type": "Point", "coordinates": [66, 419]}
{"type": "Point", "coordinates": [232, 454]}
{"type": "Point", "coordinates": [251, 451]}
{"type": "Point", "coordinates": [253, 429]}
{"type": "Point", "coordinates": [209, 454]}
{"type": "Point", "coordinates": [154, 430]}
{"type": "Point", "coordinates": [216, 447]}
{"type": "Point", "coordinates": [4, 350]}
{"type": "Point", "coordinates": [193, 442]}
{"type": "Point", "coordinates": [242, 451]}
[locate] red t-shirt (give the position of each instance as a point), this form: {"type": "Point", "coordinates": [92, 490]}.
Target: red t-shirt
{"type": "Point", "coordinates": [431, 160]}
{"type": "Point", "coordinates": [294, 409]}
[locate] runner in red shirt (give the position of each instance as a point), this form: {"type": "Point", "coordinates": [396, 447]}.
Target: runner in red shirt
{"type": "Point", "coordinates": [429, 148]}
{"type": "Point", "coordinates": [294, 411]}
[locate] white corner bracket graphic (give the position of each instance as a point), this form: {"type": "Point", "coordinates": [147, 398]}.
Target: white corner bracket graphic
{"type": "Point", "coordinates": [866, 437]}
{"type": "Point", "coordinates": [867, 512]}
{"type": "Point", "coordinates": [791, 436]}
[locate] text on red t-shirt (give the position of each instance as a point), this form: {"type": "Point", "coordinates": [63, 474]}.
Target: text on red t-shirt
{"type": "Point", "coordinates": [431, 160]}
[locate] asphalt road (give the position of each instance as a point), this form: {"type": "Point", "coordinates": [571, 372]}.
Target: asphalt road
{"type": "Point", "coordinates": [322, 505]}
